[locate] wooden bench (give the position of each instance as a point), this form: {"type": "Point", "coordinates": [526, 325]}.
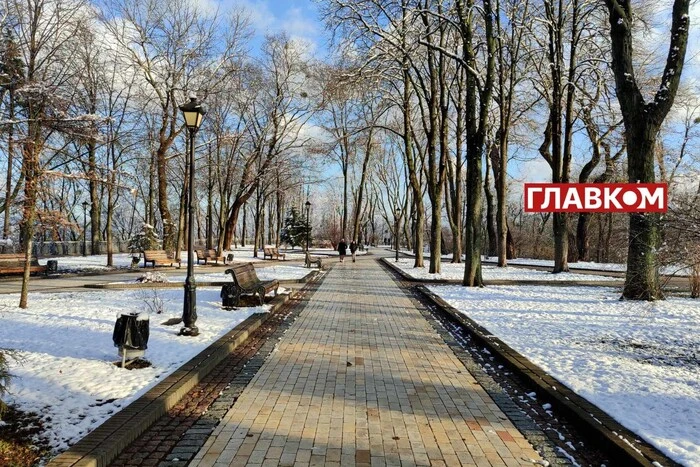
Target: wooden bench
{"type": "Point", "coordinates": [206, 255]}
{"type": "Point", "coordinates": [309, 260]}
{"type": "Point", "coordinates": [273, 252]}
{"type": "Point", "coordinates": [246, 281]}
{"type": "Point", "coordinates": [13, 263]}
{"type": "Point", "coordinates": [158, 258]}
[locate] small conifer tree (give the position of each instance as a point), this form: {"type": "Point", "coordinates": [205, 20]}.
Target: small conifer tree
{"type": "Point", "coordinates": [295, 229]}
{"type": "Point", "coordinates": [144, 240]}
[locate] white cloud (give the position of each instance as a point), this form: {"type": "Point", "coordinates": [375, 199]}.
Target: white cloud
{"type": "Point", "coordinates": [297, 24]}
{"type": "Point", "coordinates": [261, 17]}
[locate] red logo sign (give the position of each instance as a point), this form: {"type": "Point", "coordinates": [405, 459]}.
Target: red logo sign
{"type": "Point", "coordinates": [596, 197]}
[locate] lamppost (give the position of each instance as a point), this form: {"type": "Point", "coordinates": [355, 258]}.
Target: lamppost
{"type": "Point", "coordinates": [193, 112]}
{"type": "Point", "coordinates": [308, 226]}
{"type": "Point", "coordinates": [397, 213]}
{"type": "Point", "coordinates": [85, 205]}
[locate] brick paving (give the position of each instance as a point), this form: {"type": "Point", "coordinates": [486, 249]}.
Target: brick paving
{"type": "Point", "coordinates": [177, 436]}
{"type": "Point", "coordinates": [361, 378]}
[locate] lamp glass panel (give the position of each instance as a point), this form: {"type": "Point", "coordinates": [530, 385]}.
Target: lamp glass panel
{"type": "Point", "coordinates": [191, 119]}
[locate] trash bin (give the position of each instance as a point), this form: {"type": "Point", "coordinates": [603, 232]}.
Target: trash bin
{"type": "Point", "coordinates": [131, 334]}
{"type": "Point", "coordinates": [52, 266]}
{"type": "Point", "coordinates": [229, 297]}
{"type": "Point", "coordinates": [229, 257]}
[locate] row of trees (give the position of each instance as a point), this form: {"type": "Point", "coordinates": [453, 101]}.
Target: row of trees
{"type": "Point", "coordinates": [424, 111]}
{"type": "Point", "coordinates": [90, 96]}
{"type": "Point", "coordinates": [469, 86]}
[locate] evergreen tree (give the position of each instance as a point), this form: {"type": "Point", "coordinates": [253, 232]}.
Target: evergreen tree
{"type": "Point", "coordinates": [144, 240]}
{"type": "Point", "coordinates": [295, 229]}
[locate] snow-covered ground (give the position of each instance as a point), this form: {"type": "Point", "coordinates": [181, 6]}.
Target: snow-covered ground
{"type": "Point", "coordinates": [677, 270]}
{"type": "Point", "coordinates": [278, 272]}
{"type": "Point", "coordinates": [638, 361]}
{"type": "Point", "coordinates": [90, 263]}
{"type": "Point", "coordinates": [123, 260]}
{"type": "Point", "coordinates": [64, 340]}
{"type": "Point", "coordinates": [452, 271]}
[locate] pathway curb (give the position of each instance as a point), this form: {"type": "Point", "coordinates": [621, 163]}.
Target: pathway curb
{"type": "Point", "coordinates": [590, 419]}
{"type": "Point", "coordinates": [312, 275]}
{"type": "Point", "coordinates": [102, 445]}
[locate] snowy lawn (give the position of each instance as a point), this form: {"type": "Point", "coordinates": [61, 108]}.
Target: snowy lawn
{"type": "Point", "coordinates": [68, 264]}
{"type": "Point", "coordinates": [90, 263]}
{"type": "Point", "coordinates": [279, 272]}
{"type": "Point", "coordinates": [638, 361]}
{"type": "Point", "coordinates": [677, 270]}
{"type": "Point", "coordinates": [64, 340]}
{"type": "Point", "coordinates": [452, 271]}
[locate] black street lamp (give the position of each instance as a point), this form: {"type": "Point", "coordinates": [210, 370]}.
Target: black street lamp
{"type": "Point", "coordinates": [397, 214]}
{"type": "Point", "coordinates": [308, 226]}
{"type": "Point", "coordinates": [85, 205]}
{"type": "Point", "coordinates": [193, 112]}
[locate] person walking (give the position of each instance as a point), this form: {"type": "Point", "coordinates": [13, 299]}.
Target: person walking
{"type": "Point", "coordinates": [353, 249]}
{"type": "Point", "coordinates": [342, 249]}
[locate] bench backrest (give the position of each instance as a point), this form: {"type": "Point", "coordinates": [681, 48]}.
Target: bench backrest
{"type": "Point", "coordinates": [11, 257]}
{"type": "Point", "coordinates": [16, 259]}
{"type": "Point", "coordinates": [244, 275]}
{"type": "Point", "coordinates": [268, 250]}
{"type": "Point", "coordinates": [212, 254]}
{"type": "Point", "coordinates": [201, 254]}
{"type": "Point", "coordinates": [155, 254]}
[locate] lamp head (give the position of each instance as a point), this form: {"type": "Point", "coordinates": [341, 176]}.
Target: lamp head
{"type": "Point", "coordinates": [194, 114]}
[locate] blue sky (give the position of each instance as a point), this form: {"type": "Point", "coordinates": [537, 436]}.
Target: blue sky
{"type": "Point", "coordinates": [301, 20]}
{"type": "Point", "coordinates": [298, 18]}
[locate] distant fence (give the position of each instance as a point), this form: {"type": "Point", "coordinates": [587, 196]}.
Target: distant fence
{"type": "Point", "coordinates": [44, 249]}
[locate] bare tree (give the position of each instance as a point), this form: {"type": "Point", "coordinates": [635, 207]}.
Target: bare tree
{"type": "Point", "coordinates": [278, 105]}
{"type": "Point", "coordinates": [167, 41]}
{"type": "Point", "coordinates": [643, 120]}
{"type": "Point", "coordinates": [46, 32]}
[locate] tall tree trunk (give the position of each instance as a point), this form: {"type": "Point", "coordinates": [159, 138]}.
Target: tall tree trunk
{"type": "Point", "coordinates": [642, 122]}
{"type": "Point", "coordinates": [280, 213]}
{"type": "Point", "coordinates": [10, 154]}
{"type": "Point", "coordinates": [476, 127]}
{"type": "Point", "coordinates": [243, 229]}
{"type": "Point", "coordinates": [150, 208]}
{"type": "Point", "coordinates": [95, 204]}
{"type": "Point", "coordinates": [110, 211]}
{"type": "Point", "coordinates": [31, 169]}
{"type": "Point", "coordinates": [412, 168]}
{"type": "Point", "coordinates": [344, 227]}
{"type": "Point", "coordinates": [210, 200]}
{"type": "Point", "coordinates": [182, 220]}
{"type": "Point", "coordinates": [490, 215]}
{"type": "Point", "coordinates": [257, 236]}
{"type": "Point", "coordinates": [510, 244]}
{"type": "Point", "coordinates": [169, 229]}
{"type": "Point", "coordinates": [361, 187]}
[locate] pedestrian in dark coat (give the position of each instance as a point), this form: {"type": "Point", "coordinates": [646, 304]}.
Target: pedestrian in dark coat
{"type": "Point", "coordinates": [353, 249]}
{"type": "Point", "coordinates": [342, 249]}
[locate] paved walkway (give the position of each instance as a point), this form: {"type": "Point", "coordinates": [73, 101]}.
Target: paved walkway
{"type": "Point", "coordinates": [361, 378]}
